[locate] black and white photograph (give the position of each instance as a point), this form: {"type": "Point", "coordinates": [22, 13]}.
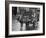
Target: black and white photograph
{"type": "Point", "coordinates": [25, 19]}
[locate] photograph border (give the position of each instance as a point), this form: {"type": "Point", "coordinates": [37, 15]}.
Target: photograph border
{"type": "Point", "coordinates": [7, 18]}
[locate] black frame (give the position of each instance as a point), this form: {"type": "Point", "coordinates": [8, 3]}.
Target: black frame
{"type": "Point", "coordinates": [7, 18]}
